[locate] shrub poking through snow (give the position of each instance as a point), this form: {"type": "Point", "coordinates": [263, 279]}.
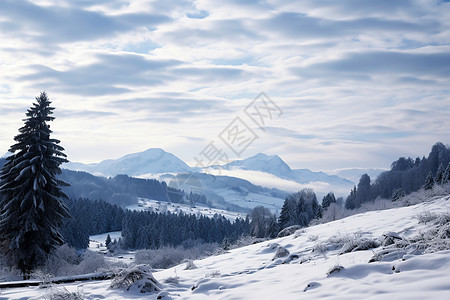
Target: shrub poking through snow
{"type": "Point", "coordinates": [281, 252]}
{"type": "Point", "coordinates": [172, 280]}
{"type": "Point", "coordinates": [213, 274]}
{"type": "Point", "coordinates": [44, 278]}
{"type": "Point", "coordinates": [61, 293]}
{"type": "Point", "coordinates": [164, 295]}
{"type": "Point", "coordinates": [426, 217]}
{"type": "Point", "coordinates": [389, 238]}
{"type": "Point", "coordinates": [136, 278]}
{"type": "Point", "coordinates": [335, 269]}
{"type": "Point", "coordinates": [359, 245]}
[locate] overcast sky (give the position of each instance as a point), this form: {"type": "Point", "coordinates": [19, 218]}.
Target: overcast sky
{"type": "Point", "coordinates": [357, 83]}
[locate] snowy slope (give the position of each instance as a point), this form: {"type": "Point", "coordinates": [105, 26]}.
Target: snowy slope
{"type": "Point", "coordinates": [253, 272]}
{"type": "Point", "coordinates": [151, 161]}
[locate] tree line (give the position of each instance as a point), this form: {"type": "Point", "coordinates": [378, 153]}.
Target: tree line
{"type": "Point", "coordinates": [143, 229]}
{"type": "Point", "coordinates": [405, 176]}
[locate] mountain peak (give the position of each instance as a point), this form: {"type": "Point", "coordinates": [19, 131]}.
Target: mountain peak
{"type": "Point", "coordinates": [272, 164]}
{"type": "Point", "coordinates": [150, 161]}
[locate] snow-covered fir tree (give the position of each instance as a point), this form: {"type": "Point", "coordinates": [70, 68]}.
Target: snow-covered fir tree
{"type": "Point", "coordinates": [439, 174]}
{"type": "Point", "coordinates": [31, 207]}
{"type": "Point", "coordinates": [429, 182]}
{"type": "Point", "coordinates": [446, 176]}
{"type": "Point", "coordinates": [398, 194]}
{"type": "Point", "coordinates": [327, 200]}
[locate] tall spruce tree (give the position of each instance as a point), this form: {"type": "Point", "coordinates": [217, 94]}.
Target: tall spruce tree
{"type": "Point", "coordinates": [327, 200]}
{"type": "Point", "coordinates": [429, 182]}
{"type": "Point", "coordinates": [446, 176]}
{"type": "Point", "coordinates": [31, 207]}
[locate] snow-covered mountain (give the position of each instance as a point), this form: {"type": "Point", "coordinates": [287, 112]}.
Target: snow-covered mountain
{"type": "Point", "coordinates": [264, 170]}
{"type": "Point", "coordinates": [151, 161]}
{"type": "Point", "coordinates": [273, 164]}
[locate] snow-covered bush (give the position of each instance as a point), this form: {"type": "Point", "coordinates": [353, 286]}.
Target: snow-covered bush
{"type": "Point", "coordinates": [162, 258]}
{"type": "Point", "coordinates": [347, 243]}
{"type": "Point", "coordinates": [190, 265]}
{"type": "Point", "coordinates": [426, 216]}
{"type": "Point", "coordinates": [136, 278]}
{"type": "Point", "coordinates": [335, 269]}
{"type": "Point", "coordinates": [289, 230]}
{"type": "Point", "coordinates": [359, 245]}
{"type": "Point", "coordinates": [91, 263]}
{"type": "Point", "coordinates": [213, 274]}
{"type": "Point", "coordinates": [247, 240]}
{"type": "Point", "coordinates": [167, 257]}
{"type": "Point", "coordinates": [281, 252]}
{"type": "Point", "coordinates": [164, 296]}
{"type": "Point", "coordinates": [62, 261]}
{"type": "Point", "coordinates": [172, 280]}
{"type": "Point", "coordinates": [44, 278]}
{"type": "Point", "coordinates": [61, 293]}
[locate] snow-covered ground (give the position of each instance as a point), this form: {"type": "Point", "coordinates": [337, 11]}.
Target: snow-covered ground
{"type": "Point", "coordinates": [303, 271]}
{"type": "Point", "coordinates": [251, 200]}
{"type": "Point", "coordinates": [97, 244]}
{"type": "Point", "coordinates": [160, 206]}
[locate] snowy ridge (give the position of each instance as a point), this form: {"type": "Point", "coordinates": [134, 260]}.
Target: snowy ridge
{"type": "Point", "coordinates": [313, 263]}
{"type": "Point", "coordinates": [273, 164]}
{"type": "Point", "coordinates": [151, 161]}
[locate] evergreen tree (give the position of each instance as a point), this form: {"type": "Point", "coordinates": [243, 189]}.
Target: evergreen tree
{"type": "Point", "coordinates": [429, 182]}
{"type": "Point", "coordinates": [439, 174]}
{"type": "Point", "coordinates": [272, 229]}
{"type": "Point", "coordinates": [350, 201]}
{"type": "Point", "coordinates": [327, 200]}
{"type": "Point", "coordinates": [31, 207]}
{"type": "Point", "coordinates": [446, 176]}
{"type": "Point", "coordinates": [363, 190]}
{"type": "Point", "coordinates": [108, 241]}
{"type": "Point", "coordinates": [398, 194]}
{"type": "Point", "coordinates": [288, 213]}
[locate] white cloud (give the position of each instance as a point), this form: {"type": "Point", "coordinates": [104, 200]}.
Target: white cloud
{"type": "Point", "coordinates": [360, 82]}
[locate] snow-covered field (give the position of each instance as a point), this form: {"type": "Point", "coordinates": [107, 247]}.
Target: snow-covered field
{"type": "Point", "coordinates": [97, 244]}
{"type": "Point", "coordinates": [160, 206]}
{"type": "Point", "coordinates": [267, 271]}
{"type": "Point", "coordinates": [251, 200]}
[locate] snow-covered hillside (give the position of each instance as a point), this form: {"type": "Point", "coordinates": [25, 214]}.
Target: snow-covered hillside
{"type": "Point", "coordinates": [326, 261]}
{"type": "Point", "coordinates": [145, 204]}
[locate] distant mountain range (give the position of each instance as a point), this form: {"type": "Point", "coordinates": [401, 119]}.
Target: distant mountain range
{"type": "Point", "coordinates": [157, 161]}
{"type": "Point", "coordinates": [258, 180]}
{"type": "Point", "coordinates": [273, 164]}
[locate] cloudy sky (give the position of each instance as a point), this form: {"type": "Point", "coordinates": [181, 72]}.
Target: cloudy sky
{"type": "Point", "coordinates": [357, 83]}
